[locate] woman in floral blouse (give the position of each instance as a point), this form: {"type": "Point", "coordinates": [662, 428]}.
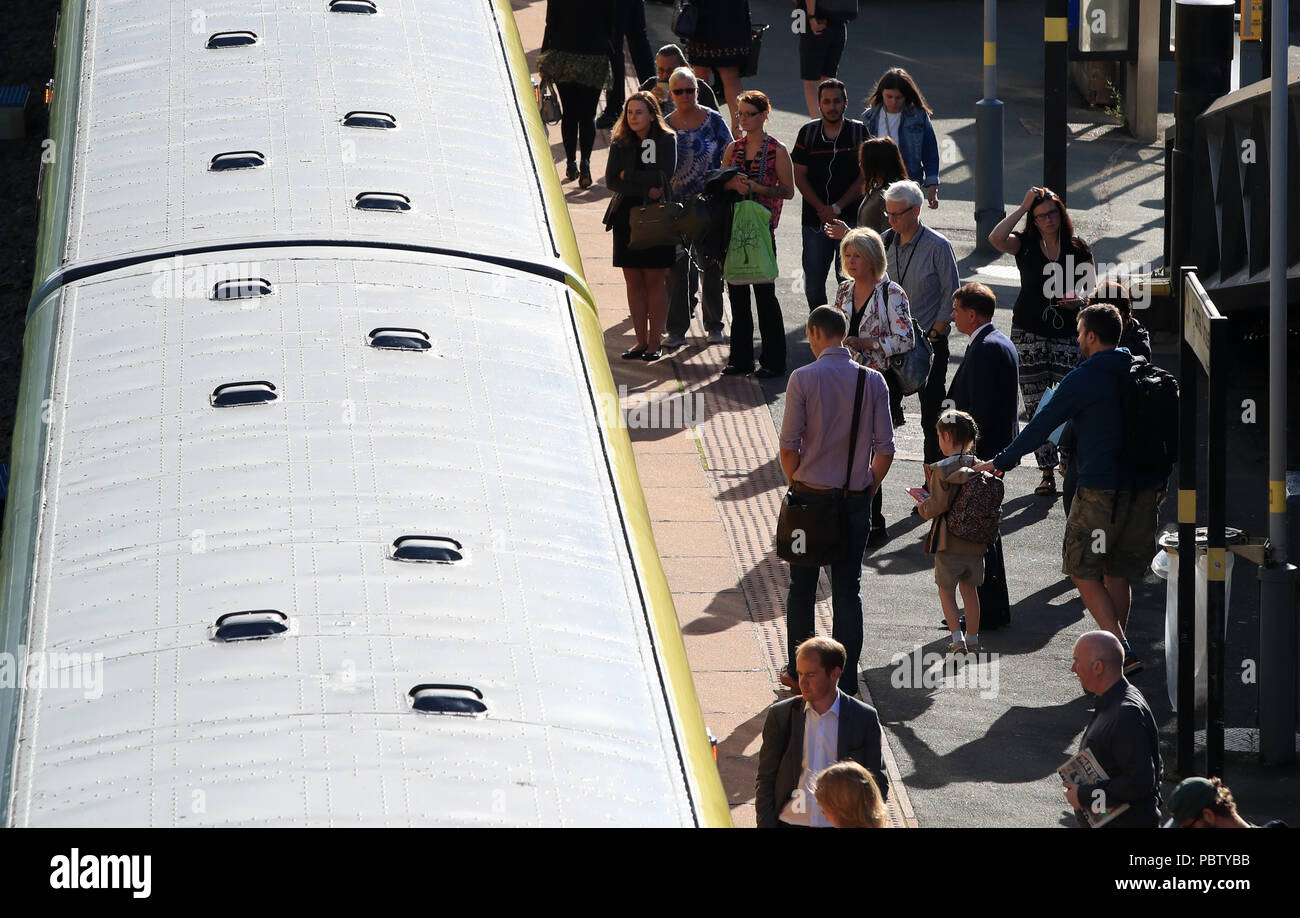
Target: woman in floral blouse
{"type": "Point", "coordinates": [880, 322]}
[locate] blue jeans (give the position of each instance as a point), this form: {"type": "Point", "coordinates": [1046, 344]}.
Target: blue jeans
{"type": "Point", "coordinates": [819, 253]}
{"type": "Point", "coordinates": [846, 596]}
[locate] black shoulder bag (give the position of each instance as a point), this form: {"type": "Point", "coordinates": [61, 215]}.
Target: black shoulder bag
{"type": "Point", "coordinates": [816, 533]}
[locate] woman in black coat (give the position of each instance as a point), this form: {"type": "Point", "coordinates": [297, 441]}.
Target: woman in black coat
{"type": "Point", "coordinates": [575, 56]}
{"type": "Point", "coordinates": [642, 160]}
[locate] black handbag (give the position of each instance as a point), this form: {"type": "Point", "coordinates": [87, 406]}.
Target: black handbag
{"type": "Point", "coordinates": [750, 67]}
{"type": "Point", "coordinates": [912, 368]}
{"type": "Point", "coordinates": [654, 223]}
{"type": "Point", "coordinates": [817, 533]}
{"type": "Point", "coordinates": [837, 10]}
{"type": "Point", "coordinates": [686, 19]}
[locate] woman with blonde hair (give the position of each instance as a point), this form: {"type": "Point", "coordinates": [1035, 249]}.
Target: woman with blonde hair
{"type": "Point", "coordinates": [880, 320]}
{"type": "Point", "coordinates": [850, 797]}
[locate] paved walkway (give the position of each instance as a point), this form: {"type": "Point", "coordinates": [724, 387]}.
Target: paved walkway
{"type": "Point", "coordinates": [714, 490]}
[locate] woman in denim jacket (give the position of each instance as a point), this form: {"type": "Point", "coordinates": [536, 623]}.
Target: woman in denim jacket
{"type": "Point", "coordinates": [897, 110]}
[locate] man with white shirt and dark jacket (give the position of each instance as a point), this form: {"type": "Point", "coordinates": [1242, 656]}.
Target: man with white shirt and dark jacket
{"type": "Point", "coordinates": [986, 385]}
{"type": "Point", "coordinates": [805, 735]}
{"type": "Point", "coordinates": [1122, 736]}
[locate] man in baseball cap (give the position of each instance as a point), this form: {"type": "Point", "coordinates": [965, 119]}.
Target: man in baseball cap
{"type": "Point", "coordinates": [1206, 803]}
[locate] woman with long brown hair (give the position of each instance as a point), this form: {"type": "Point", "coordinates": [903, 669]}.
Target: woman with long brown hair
{"type": "Point", "coordinates": [881, 164]}
{"type": "Point", "coordinates": [896, 109]}
{"type": "Point", "coordinates": [642, 160]}
{"type": "Point", "coordinates": [1044, 330]}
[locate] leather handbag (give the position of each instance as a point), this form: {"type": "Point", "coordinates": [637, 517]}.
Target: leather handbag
{"type": "Point", "coordinates": [548, 103]}
{"type": "Point", "coordinates": [686, 19]}
{"type": "Point", "coordinates": [654, 223]}
{"type": "Point", "coordinates": [912, 367]}
{"type": "Point", "coordinates": [816, 533]}
{"type": "Point", "coordinates": [837, 10]}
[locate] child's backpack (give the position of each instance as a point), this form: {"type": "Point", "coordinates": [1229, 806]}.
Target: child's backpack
{"type": "Point", "coordinates": [977, 509]}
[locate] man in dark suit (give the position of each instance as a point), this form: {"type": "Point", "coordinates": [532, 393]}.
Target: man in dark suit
{"type": "Point", "coordinates": [805, 735]}
{"type": "Point", "coordinates": [986, 387]}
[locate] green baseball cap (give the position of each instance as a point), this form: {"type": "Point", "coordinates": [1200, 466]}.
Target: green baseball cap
{"type": "Point", "coordinates": [1188, 799]}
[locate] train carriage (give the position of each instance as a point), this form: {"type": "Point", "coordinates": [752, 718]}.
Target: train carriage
{"type": "Point", "coordinates": [312, 479]}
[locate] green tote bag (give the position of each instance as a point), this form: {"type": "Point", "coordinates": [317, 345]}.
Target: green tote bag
{"type": "Point", "coordinates": [751, 259]}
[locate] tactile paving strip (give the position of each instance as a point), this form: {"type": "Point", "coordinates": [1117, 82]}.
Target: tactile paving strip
{"type": "Point", "coordinates": [738, 446]}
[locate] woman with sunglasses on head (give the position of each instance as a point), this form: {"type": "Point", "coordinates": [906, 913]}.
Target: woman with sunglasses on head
{"type": "Point", "coordinates": [702, 135]}
{"type": "Point", "coordinates": [768, 174]}
{"type": "Point", "coordinates": [1044, 327]}
{"type": "Point", "coordinates": [882, 164]}
{"type": "Point", "coordinates": [642, 160]}
{"type": "Point", "coordinates": [897, 110]}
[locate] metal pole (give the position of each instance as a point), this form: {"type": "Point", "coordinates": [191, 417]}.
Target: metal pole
{"type": "Point", "coordinates": [1216, 499]}
{"type": "Point", "coordinates": [1277, 685]}
{"type": "Point", "coordinates": [1056, 67]}
{"type": "Point", "coordinates": [1189, 374]}
{"type": "Point", "coordinates": [989, 202]}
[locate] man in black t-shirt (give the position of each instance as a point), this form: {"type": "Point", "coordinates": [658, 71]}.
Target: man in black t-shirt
{"type": "Point", "coordinates": [827, 174]}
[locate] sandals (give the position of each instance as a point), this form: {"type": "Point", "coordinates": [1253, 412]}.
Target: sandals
{"type": "Point", "coordinates": [1047, 486]}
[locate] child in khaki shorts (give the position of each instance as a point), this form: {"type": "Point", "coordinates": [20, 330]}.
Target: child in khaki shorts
{"type": "Point", "coordinates": [958, 563]}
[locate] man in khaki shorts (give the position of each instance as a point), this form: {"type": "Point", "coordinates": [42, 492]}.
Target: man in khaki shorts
{"type": "Point", "coordinates": [1110, 535]}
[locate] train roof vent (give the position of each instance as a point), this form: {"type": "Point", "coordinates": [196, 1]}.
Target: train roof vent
{"type": "Point", "coordinates": [241, 288]}
{"type": "Point", "coordinates": [232, 39]}
{"type": "Point", "coordinates": [399, 339]}
{"type": "Point", "coordinates": [253, 625]}
{"type": "Point", "coordinates": [250, 392]}
{"type": "Point", "coordinates": [436, 549]}
{"type": "Point", "coordinates": [353, 6]}
{"type": "Point", "coordinates": [240, 159]}
{"type": "Point", "coordinates": [369, 120]}
{"type": "Point", "coordinates": [462, 700]}
{"type": "Point", "coordinates": [382, 200]}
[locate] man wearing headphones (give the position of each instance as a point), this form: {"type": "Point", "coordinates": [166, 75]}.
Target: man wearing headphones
{"type": "Point", "coordinates": [827, 174]}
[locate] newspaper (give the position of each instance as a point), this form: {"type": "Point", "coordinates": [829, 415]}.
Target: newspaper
{"type": "Point", "coordinates": [1084, 769]}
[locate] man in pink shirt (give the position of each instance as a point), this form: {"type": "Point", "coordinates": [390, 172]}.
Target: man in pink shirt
{"type": "Point", "coordinates": [815, 455]}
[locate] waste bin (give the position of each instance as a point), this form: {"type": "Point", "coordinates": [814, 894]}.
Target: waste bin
{"type": "Point", "coordinates": [1165, 566]}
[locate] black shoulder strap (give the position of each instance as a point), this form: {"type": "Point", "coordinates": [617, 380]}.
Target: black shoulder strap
{"type": "Point", "coordinates": [857, 417]}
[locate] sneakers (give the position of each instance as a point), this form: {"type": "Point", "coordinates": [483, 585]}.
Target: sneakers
{"type": "Point", "coordinates": [958, 647]}
{"type": "Point", "coordinates": [1132, 665]}
{"type": "Point", "coordinates": [717, 337]}
{"type": "Point", "coordinates": [675, 341]}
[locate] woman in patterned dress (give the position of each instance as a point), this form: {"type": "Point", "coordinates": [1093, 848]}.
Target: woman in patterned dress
{"type": "Point", "coordinates": [722, 40]}
{"type": "Point", "coordinates": [702, 135]}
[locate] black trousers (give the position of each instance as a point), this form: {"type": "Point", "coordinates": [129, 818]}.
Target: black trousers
{"type": "Point", "coordinates": [629, 23]}
{"type": "Point", "coordinates": [771, 327]}
{"type": "Point", "coordinates": [932, 396]}
{"type": "Point", "coordinates": [995, 603]}
{"type": "Point", "coordinates": [579, 122]}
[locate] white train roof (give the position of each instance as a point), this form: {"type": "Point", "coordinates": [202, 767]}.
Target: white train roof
{"type": "Point", "coordinates": [157, 105]}
{"type": "Point", "coordinates": [164, 513]}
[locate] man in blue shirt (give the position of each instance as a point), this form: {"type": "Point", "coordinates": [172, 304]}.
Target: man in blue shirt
{"type": "Point", "coordinates": [1111, 531]}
